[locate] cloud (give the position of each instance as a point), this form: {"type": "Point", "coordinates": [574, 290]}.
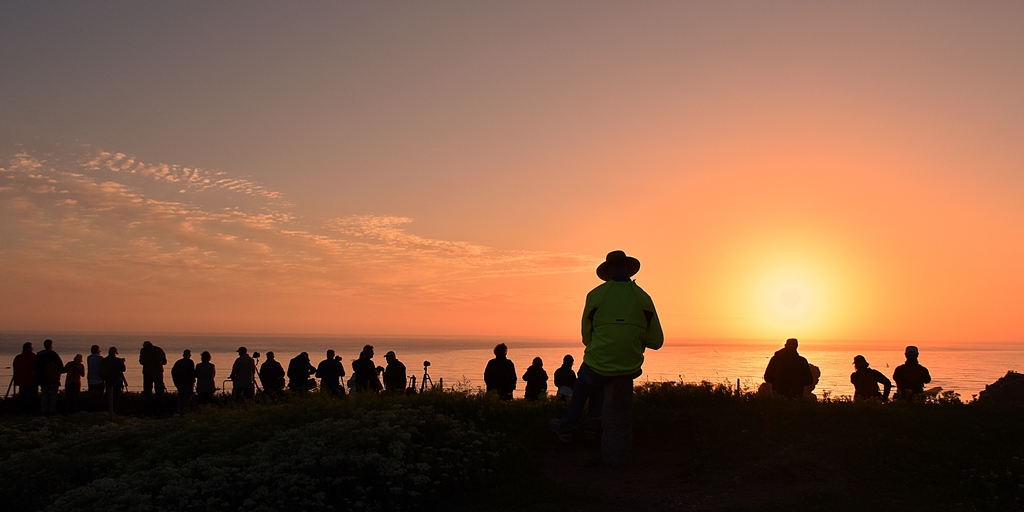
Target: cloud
{"type": "Point", "coordinates": [106, 218]}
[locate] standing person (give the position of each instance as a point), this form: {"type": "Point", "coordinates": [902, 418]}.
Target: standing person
{"type": "Point", "coordinates": [619, 323]}
{"type": "Point", "coordinates": [183, 375]}
{"type": "Point", "coordinates": [866, 380]}
{"type": "Point", "coordinates": [74, 370]}
{"type": "Point", "coordinates": [910, 376]}
{"type": "Point", "coordinates": [206, 378]}
{"type": "Point", "coordinates": [49, 367]}
{"type": "Point", "coordinates": [243, 382]}
{"type": "Point", "coordinates": [112, 370]}
{"type": "Point", "coordinates": [500, 373]}
{"type": "Point", "coordinates": [365, 372]}
{"type": "Point", "coordinates": [330, 371]}
{"type": "Point", "coordinates": [299, 370]}
{"type": "Point", "coordinates": [25, 378]}
{"type": "Point", "coordinates": [565, 378]}
{"type": "Point", "coordinates": [536, 379]}
{"type": "Point", "coordinates": [152, 358]}
{"type": "Point", "coordinates": [788, 372]}
{"type": "Point", "coordinates": [272, 375]}
{"type": "Point", "coordinates": [395, 382]}
{"type": "Point", "coordinates": [95, 381]}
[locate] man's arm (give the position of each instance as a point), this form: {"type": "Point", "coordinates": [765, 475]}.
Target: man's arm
{"type": "Point", "coordinates": [655, 336]}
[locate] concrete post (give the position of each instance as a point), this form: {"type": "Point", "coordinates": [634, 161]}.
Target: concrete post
{"type": "Point", "coordinates": [617, 422]}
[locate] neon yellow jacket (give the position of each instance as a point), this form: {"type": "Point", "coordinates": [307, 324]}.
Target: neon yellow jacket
{"type": "Point", "coordinates": [619, 322]}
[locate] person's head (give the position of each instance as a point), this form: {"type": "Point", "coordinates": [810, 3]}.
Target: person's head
{"type": "Point", "coordinates": [330, 354]}
{"type": "Point", "coordinates": [95, 349]}
{"type": "Point", "coordinates": [538, 362]}
{"type": "Point", "coordinates": [304, 355]}
{"type": "Point", "coordinates": [860, 363]}
{"type": "Point", "coordinates": [390, 356]}
{"type": "Point", "coordinates": [367, 351]}
{"type": "Point", "coordinates": [112, 351]}
{"type": "Point", "coordinates": [911, 352]}
{"type": "Point", "coordinates": [48, 344]}
{"type": "Point", "coordinates": [567, 360]}
{"type": "Point", "coordinates": [78, 358]}
{"type": "Point", "coordinates": [27, 347]}
{"type": "Point", "coordinates": [270, 356]}
{"type": "Point", "coordinates": [791, 343]}
{"type": "Point", "coordinates": [186, 354]}
{"type": "Point", "coordinates": [501, 350]}
{"type": "Point", "coordinates": [618, 267]}
{"type": "Point", "coordinates": [243, 351]}
{"type": "Point", "coordinates": [205, 357]}
{"type": "Point", "coordinates": [147, 344]}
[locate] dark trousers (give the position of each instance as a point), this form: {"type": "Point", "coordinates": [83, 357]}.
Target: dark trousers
{"type": "Point", "coordinates": [153, 381]}
{"type": "Point", "coordinates": [96, 397]}
{"type": "Point", "coordinates": [48, 398]}
{"type": "Point", "coordinates": [28, 396]}
{"type": "Point", "coordinates": [113, 398]}
{"type": "Point", "coordinates": [184, 399]}
{"type": "Point", "coordinates": [242, 393]}
{"type": "Point", "coordinates": [73, 392]}
{"type": "Point", "coordinates": [205, 397]}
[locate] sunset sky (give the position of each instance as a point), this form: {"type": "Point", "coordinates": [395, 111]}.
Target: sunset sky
{"type": "Point", "coordinates": [840, 170]}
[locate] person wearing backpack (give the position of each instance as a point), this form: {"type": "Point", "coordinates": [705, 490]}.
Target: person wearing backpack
{"type": "Point", "coordinates": [49, 368]}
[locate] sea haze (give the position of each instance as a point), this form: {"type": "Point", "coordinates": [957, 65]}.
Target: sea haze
{"type": "Point", "coordinates": [965, 368]}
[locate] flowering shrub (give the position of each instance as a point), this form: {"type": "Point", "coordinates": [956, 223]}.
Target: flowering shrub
{"type": "Point", "coordinates": [395, 458]}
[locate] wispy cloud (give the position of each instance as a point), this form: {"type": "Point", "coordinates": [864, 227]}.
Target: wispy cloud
{"type": "Point", "coordinates": [101, 218]}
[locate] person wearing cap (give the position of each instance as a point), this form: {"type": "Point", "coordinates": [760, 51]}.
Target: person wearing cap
{"type": "Point", "coordinates": [183, 375]}
{"type": "Point", "coordinates": [394, 375]}
{"type": "Point", "coordinates": [152, 358]}
{"type": "Point", "coordinates": [619, 323]}
{"type": "Point", "coordinates": [910, 377]}
{"type": "Point", "coordinates": [243, 382]}
{"type": "Point", "coordinates": [866, 380]}
{"type": "Point", "coordinates": [788, 372]}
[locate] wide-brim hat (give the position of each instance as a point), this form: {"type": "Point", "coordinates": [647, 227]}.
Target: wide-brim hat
{"type": "Point", "coordinates": [618, 259]}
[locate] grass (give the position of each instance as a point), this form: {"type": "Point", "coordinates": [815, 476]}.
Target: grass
{"type": "Point", "coordinates": [697, 447]}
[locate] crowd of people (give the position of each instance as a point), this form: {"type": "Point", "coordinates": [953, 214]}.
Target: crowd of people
{"type": "Point", "coordinates": [37, 377]}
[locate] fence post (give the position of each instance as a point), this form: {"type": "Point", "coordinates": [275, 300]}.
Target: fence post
{"type": "Point", "coordinates": [617, 422]}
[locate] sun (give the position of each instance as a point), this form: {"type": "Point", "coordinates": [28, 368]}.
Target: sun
{"type": "Point", "coordinates": [791, 299]}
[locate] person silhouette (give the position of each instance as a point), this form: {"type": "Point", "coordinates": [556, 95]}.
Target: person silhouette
{"type": "Point", "coordinates": [73, 371]}
{"type": "Point", "coordinates": [206, 378]}
{"type": "Point", "coordinates": [95, 381]}
{"type": "Point", "coordinates": [330, 371]}
{"type": "Point", "coordinates": [299, 370]}
{"type": "Point", "coordinates": [49, 368]}
{"type": "Point", "coordinates": [500, 373]}
{"type": "Point", "coordinates": [365, 373]}
{"type": "Point", "coordinates": [394, 375]}
{"type": "Point", "coordinates": [536, 379]}
{"type": "Point", "coordinates": [243, 378]}
{"type": "Point", "coordinates": [619, 323]}
{"type": "Point", "coordinates": [910, 376]}
{"type": "Point", "coordinates": [272, 375]}
{"type": "Point", "coordinates": [565, 378]}
{"type": "Point", "coordinates": [866, 380]}
{"type": "Point", "coordinates": [112, 370]}
{"type": "Point", "coordinates": [152, 358]}
{"type": "Point", "coordinates": [788, 372]}
{"type": "Point", "coordinates": [183, 374]}
{"type": "Point", "coordinates": [25, 378]}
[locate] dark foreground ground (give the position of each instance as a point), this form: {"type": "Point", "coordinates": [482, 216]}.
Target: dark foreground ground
{"type": "Point", "coordinates": [697, 447]}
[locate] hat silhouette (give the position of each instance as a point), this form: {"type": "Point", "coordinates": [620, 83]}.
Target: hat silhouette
{"type": "Point", "coordinates": [618, 260]}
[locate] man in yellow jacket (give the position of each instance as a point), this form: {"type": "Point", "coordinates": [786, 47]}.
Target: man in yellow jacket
{"type": "Point", "coordinates": [619, 323]}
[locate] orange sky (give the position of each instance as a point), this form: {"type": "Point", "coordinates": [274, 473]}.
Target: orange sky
{"type": "Point", "coordinates": [846, 172]}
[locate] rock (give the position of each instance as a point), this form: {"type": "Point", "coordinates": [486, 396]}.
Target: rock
{"type": "Point", "coordinates": [1009, 389]}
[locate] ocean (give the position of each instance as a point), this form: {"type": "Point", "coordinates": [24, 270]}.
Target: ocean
{"type": "Point", "coordinates": [965, 368]}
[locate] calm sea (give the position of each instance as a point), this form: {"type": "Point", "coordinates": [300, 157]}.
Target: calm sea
{"type": "Point", "coordinates": [965, 368]}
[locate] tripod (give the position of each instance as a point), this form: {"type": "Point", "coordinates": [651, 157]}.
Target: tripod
{"type": "Point", "coordinates": [426, 378]}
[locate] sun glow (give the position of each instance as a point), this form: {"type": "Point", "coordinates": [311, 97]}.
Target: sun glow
{"type": "Point", "coordinates": [792, 298]}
